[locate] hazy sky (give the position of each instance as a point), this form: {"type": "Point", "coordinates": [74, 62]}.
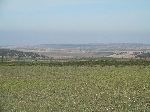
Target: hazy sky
{"type": "Point", "coordinates": [74, 21]}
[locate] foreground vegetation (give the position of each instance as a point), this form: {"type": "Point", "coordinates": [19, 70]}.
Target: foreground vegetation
{"type": "Point", "coordinates": [78, 62]}
{"type": "Point", "coordinates": [74, 88]}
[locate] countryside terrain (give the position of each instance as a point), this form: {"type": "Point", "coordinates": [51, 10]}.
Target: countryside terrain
{"type": "Point", "coordinates": [65, 51]}
{"type": "Point", "coordinates": [31, 81]}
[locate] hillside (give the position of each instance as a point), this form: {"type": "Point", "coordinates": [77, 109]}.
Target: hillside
{"type": "Point", "coordinates": [15, 53]}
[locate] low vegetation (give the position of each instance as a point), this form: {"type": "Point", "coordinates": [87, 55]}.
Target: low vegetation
{"type": "Point", "coordinates": [78, 62]}
{"type": "Point", "coordinates": [72, 88]}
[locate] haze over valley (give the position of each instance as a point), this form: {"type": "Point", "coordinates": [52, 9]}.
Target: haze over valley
{"type": "Point", "coordinates": [61, 51]}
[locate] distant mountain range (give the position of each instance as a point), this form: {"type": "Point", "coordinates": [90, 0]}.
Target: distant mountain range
{"type": "Point", "coordinates": [97, 46]}
{"type": "Point", "coordinates": [123, 45]}
{"type": "Point", "coordinates": [102, 46]}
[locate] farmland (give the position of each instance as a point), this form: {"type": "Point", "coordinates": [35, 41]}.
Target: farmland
{"type": "Point", "coordinates": [72, 88]}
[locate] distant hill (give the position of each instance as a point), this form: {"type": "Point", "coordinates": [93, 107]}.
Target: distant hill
{"type": "Point", "coordinates": [100, 46]}
{"type": "Point", "coordinates": [15, 53]}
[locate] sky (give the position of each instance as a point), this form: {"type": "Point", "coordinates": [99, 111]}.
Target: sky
{"type": "Point", "coordinates": [74, 21]}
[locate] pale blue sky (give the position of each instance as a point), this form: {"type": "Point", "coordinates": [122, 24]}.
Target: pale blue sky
{"type": "Point", "coordinates": [74, 21]}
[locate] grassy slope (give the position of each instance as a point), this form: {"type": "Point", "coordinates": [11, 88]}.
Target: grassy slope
{"type": "Point", "coordinates": [74, 89]}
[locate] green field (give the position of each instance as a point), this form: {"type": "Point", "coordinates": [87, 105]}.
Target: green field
{"type": "Point", "coordinates": [74, 88]}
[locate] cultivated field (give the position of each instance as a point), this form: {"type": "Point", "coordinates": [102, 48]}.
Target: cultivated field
{"type": "Point", "coordinates": [75, 88]}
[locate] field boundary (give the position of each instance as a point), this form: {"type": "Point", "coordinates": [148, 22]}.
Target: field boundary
{"type": "Point", "coordinates": [79, 63]}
